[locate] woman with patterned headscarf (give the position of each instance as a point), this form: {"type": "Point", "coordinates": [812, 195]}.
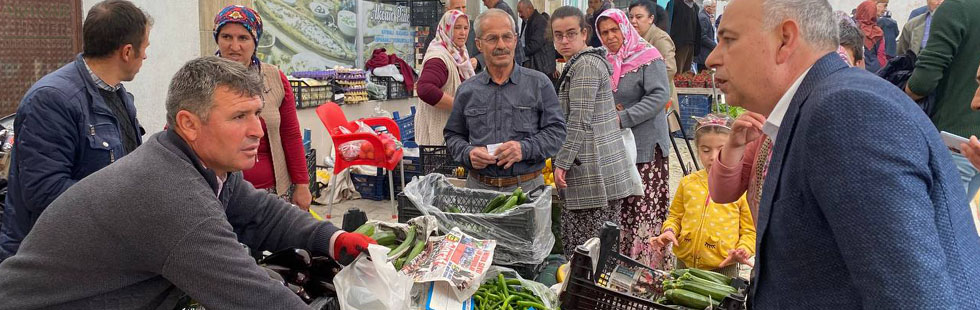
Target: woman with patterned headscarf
{"type": "Point", "coordinates": [445, 66]}
{"type": "Point", "coordinates": [280, 166]}
{"type": "Point", "coordinates": [641, 90]}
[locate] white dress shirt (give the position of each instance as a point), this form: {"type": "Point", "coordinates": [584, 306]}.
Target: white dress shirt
{"type": "Point", "coordinates": [775, 119]}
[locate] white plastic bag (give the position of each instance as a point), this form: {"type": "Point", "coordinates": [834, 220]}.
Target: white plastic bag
{"type": "Point", "coordinates": [373, 284]}
{"type": "Point", "coordinates": [630, 142]}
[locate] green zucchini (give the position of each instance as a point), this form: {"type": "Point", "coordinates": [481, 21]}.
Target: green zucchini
{"type": "Point", "coordinates": [409, 240]}
{"type": "Point", "coordinates": [416, 250]}
{"type": "Point", "coordinates": [677, 273]}
{"type": "Point", "coordinates": [691, 278]}
{"type": "Point", "coordinates": [715, 293]}
{"type": "Point", "coordinates": [496, 202]}
{"type": "Point", "coordinates": [384, 238]}
{"type": "Point", "coordinates": [519, 193]}
{"type": "Point", "coordinates": [367, 229]}
{"type": "Point", "coordinates": [510, 204]}
{"type": "Point", "coordinates": [454, 209]}
{"type": "Point", "coordinates": [690, 299]}
{"type": "Point", "coordinates": [710, 275]}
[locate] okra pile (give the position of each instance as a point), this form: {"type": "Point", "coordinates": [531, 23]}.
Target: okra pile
{"type": "Point", "coordinates": [697, 288]}
{"type": "Point", "coordinates": [503, 294]}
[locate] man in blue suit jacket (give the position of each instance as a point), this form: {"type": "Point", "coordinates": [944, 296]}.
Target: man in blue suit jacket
{"type": "Point", "coordinates": [862, 207]}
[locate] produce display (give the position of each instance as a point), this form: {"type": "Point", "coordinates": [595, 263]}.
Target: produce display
{"type": "Point", "coordinates": [354, 83]}
{"type": "Point", "coordinates": [502, 293]}
{"type": "Point", "coordinates": [404, 245]}
{"type": "Point", "coordinates": [690, 80]}
{"type": "Point", "coordinates": [503, 203]}
{"type": "Point", "coordinates": [309, 277]}
{"type": "Point", "coordinates": [696, 288]}
{"type": "Point", "coordinates": [549, 173]}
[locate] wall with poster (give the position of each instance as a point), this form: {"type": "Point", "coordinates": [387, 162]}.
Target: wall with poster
{"type": "Point", "coordinates": [308, 34]}
{"type": "Point", "coordinates": [387, 26]}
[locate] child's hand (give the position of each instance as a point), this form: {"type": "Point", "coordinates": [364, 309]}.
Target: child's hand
{"type": "Point", "coordinates": [736, 255]}
{"type": "Point", "coordinates": [661, 241]}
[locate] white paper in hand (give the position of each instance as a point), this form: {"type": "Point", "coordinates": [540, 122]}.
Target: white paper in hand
{"type": "Point", "coordinates": [492, 149]}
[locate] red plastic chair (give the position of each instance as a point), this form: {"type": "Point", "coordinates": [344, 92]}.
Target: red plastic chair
{"type": "Point", "coordinates": [333, 118]}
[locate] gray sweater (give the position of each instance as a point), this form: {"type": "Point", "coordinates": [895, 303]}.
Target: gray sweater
{"type": "Point", "coordinates": [644, 94]}
{"type": "Point", "coordinates": [140, 232]}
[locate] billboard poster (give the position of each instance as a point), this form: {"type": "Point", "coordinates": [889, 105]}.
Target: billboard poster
{"type": "Point", "coordinates": [301, 35]}
{"type": "Point", "coordinates": [388, 26]}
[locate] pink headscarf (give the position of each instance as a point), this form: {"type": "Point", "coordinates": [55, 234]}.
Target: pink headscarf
{"type": "Point", "coordinates": [443, 42]}
{"type": "Point", "coordinates": [635, 52]}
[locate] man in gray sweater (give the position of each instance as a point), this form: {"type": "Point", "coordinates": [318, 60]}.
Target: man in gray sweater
{"type": "Point", "coordinates": [168, 218]}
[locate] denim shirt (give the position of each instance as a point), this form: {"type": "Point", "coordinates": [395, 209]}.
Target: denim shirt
{"type": "Point", "coordinates": [524, 108]}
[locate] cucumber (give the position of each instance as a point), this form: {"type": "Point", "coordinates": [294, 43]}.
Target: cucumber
{"type": "Point", "coordinates": [510, 204]}
{"type": "Point", "coordinates": [454, 209]}
{"type": "Point", "coordinates": [690, 299]}
{"type": "Point", "coordinates": [496, 202]}
{"type": "Point", "coordinates": [409, 239]}
{"type": "Point", "coordinates": [367, 229]}
{"type": "Point", "coordinates": [715, 293]}
{"type": "Point", "coordinates": [519, 193]}
{"type": "Point", "coordinates": [416, 250]}
{"type": "Point", "coordinates": [677, 273]}
{"type": "Point", "coordinates": [384, 238]}
{"type": "Point", "coordinates": [710, 275]}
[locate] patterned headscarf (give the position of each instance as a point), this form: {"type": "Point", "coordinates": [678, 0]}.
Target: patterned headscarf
{"type": "Point", "coordinates": [443, 42]}
{"type": "Point", "coordinates": [635, 51]}
{"type": "Point", "coordinates": [246, 17]}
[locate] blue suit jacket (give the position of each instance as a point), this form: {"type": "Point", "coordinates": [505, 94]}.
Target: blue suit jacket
{"type": "Point", "coordinates": [862, 207]}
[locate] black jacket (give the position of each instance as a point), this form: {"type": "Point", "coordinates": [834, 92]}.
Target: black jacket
{"type": "Point", "coordinates": [539, 57]}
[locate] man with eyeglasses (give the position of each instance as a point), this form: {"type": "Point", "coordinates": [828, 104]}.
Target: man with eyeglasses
{"type": "Point", "coordinates": [506, 120]}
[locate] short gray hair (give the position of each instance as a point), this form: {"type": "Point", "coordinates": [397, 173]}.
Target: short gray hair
{"type": "Point", "coordinates": [192, 87]}
{"type": "Point", "coordinates": [478, 24]}
{"type": "Point", "coordinates": [818, 24]}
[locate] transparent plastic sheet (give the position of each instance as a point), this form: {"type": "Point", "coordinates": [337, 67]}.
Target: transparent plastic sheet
{"type": "Point", "coordinates": [523, 234]}
{"type": "Point", "coordinates": [548, 296]}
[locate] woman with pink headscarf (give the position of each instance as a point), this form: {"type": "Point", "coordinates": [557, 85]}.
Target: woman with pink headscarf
{"type": "Point", "coordinates": [641, 90]}
{"type": "Point", "coordinates": [445, 66]}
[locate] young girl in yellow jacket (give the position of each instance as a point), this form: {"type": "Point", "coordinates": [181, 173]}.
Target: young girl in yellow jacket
{"type": "Point", "coordinates": [705, 234]}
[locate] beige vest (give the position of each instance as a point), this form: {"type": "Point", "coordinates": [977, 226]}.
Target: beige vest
{"type": "Point", "coordinates": [272, 97]}
{"type": "Point", "coordinates": [429, 120]}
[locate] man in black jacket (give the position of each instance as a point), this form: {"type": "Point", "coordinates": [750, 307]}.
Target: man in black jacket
{"type": "Point", "coordinates": [538, 57]}
{"type": "Point", "coordinates": [685, 30]}
{"type": "Point", "coordinates": [707, 41]}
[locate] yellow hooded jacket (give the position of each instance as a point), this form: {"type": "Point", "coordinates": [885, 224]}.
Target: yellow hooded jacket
{"type": "Point", "coordinates": [706, 230]}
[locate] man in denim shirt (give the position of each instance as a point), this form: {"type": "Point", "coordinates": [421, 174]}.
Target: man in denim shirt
{"type": "Point", "coordinates": [510, 109]}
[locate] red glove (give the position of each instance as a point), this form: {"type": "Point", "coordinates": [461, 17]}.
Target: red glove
{"type": "Point", "coordinates": [349, 245]}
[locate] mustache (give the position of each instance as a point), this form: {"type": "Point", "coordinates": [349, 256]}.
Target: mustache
{"type": "Point", "coordinates": [500, 52]}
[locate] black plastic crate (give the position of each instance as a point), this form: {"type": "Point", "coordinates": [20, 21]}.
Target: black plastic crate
{"type": "Point", "coordinates": [308, 96]}
{"type": "Point", "coordinates": [394, 89]}
{"type": "Point", "coordinates": [436, 159]}
{"type": "Point", "coordinates": [471, 221]}
{"type": "Point", "coordinates": [373, 187]}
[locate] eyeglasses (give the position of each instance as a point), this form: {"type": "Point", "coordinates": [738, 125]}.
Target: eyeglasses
{"type": "Point", "coordinates": [492, 38]}
{"type": "Point", "coordinates": [568, 35]}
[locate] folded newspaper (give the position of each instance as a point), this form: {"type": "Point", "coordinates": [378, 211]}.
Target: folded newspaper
{"type": "Point", "coordinates": [457, 259]}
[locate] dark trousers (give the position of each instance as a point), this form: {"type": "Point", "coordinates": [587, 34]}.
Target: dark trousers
{"type": "Point", "coordinates": [684, 57]}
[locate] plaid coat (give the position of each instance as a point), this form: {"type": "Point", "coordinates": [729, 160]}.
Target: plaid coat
{"type": "Point", "coordinates": [593, 134]}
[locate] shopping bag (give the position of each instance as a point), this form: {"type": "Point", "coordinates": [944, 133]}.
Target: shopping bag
{"type": "Point", "coordinates": [637, 182]}
{"type": "Point", "coordinates": [371, 283]}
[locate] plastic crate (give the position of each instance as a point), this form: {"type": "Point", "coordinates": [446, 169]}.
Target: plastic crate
{"type": "Point", "coordinates": [393, 89]}
{"type": "Point", "coordinates": [691, 106]}
{"type": "Point", "coordinates": [436, 159]}
{"type": "Point", "coordinates": [311, 169]}
{"type": "Point", "coordinates": [471, 203]}
{"type": "Point", "coordinates": [373, 187]}
{"type": "Point", "coordinates": [585, 287]}
{"type": "Point", "coordinates": [308, 96]}
{"type": "Point", "coordinates": [406, 125]}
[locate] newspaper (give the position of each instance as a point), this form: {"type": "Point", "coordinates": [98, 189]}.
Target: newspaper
{"type": "Point", "coordinates": [457, 259]}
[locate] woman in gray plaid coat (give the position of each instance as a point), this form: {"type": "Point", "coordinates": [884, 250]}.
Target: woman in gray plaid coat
{"type": "Point", "coordinates": [591, 165]}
